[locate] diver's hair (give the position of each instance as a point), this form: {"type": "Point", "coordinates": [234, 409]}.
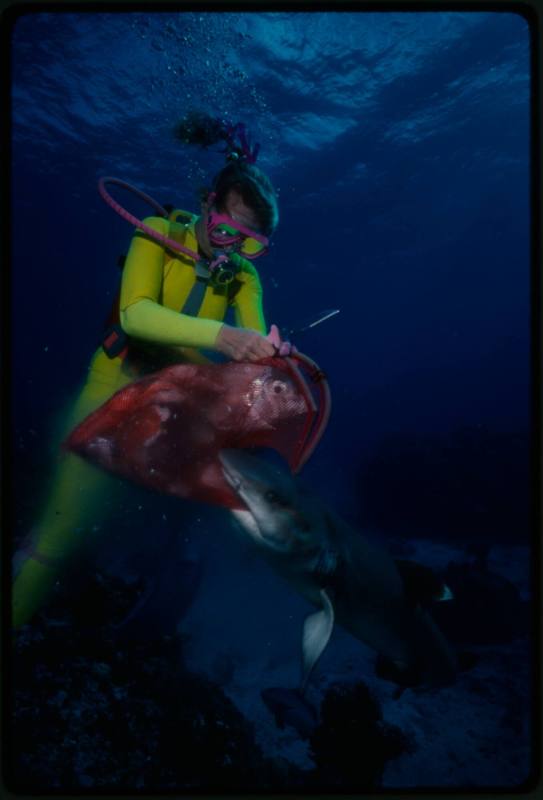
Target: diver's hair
{"type": "Point", "coordinates": [199, 128]}
{"type": "Point", "coordinates": [255, 189]}
{"type": "Point", "coordinates": [240, 173]}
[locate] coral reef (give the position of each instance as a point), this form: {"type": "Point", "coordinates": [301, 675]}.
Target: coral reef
{"type": "Point", "coordinates": [91, 709]}
{"type": "Point", "coordinates": [87, 712]}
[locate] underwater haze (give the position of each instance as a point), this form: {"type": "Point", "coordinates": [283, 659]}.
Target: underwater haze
{"type": "Point", "coordinates": [399, 143]}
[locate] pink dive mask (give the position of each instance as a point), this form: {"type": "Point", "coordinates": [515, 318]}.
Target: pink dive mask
{"type": "Point", "coordinates": [226, 232]}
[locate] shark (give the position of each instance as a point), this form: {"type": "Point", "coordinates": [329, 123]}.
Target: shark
{"type": "Point", "coordinates": [350, 580]}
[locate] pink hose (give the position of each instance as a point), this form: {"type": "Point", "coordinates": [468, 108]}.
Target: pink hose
{"type": "Point", "coordinates": [170, 243]}
{"type": "Point", "coordinates": [313, 429]}
{"type": "Point", "coordinates": [325, 408]}
{"type": "Point", "coordinates": [296, 460]}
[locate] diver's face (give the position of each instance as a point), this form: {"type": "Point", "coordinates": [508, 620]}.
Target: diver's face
{"type": "Point", "coordinates": [235, 208]}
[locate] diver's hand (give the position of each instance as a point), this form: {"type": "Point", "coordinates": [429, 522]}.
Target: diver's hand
{"type": "Point", "coordinates": [243, 344]}
{"type": "Point", "coordinates": [281, 348]}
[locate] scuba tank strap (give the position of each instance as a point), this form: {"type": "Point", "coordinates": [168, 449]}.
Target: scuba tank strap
{"type": "Point", "coordinates": [232, 290]}
{"type": "Point", "coordinates": [183, 217]}
{"type": "Point", "coordinates": [220, 273]}
{"type": "Point", "coordinates": [193, 303]}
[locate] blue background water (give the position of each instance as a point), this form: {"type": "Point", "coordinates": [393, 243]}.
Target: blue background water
{"type": "Point", "coordinates": [399, 145]}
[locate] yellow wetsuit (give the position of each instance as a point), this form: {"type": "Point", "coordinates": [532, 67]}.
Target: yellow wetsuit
{"type": "Point", "coordinates": [154, 288]}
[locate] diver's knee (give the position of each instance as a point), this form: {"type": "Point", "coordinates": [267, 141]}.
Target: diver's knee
{"type": "Point", "coordinates": [34, 580]}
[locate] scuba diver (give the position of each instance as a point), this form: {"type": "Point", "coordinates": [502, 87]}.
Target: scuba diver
{"type": "Point", "coordinates": [170, 305]}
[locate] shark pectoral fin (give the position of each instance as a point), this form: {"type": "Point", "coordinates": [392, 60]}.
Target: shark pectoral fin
{"type": "Point", "coordinates": [318, 628]}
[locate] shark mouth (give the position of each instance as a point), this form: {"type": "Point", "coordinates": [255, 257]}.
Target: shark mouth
{"type": "Point", "coordinates": [246, 517]}
{"type": "Point", "coordinates": [232, 476]}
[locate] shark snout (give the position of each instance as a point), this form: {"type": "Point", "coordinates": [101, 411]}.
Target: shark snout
{"type": "Point", "coordinates": [233, 461]}
{"type": "Point", "coordinates": [243, 470]}
{"type": "Point", "coordinates": [258, 485]}
{"type": "Point", "coordinates": [233, 464]}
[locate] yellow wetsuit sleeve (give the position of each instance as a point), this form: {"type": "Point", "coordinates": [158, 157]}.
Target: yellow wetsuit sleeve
{"type": "Point", "coordinates": [248, 302]}
{"type": "Point", "coordinates": [141, 313]}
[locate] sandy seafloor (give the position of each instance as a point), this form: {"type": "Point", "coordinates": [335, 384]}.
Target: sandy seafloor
{"type": "Point", "coordinates": [472, 734]}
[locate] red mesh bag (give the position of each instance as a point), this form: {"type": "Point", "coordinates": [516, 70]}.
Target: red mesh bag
{"type": "Point", "coordinates": [165, 431]}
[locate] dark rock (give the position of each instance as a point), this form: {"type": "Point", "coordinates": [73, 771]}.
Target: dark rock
{"type": "Point", "coordinates": [487, 608]}
{"type": "Point", "coordinates": [90, 712]}
{"type": "Point", "coordinates": [352, 744]}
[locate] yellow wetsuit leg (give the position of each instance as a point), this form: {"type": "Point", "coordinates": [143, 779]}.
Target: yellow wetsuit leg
{"type": "Point", "coordinates": [77, 501]}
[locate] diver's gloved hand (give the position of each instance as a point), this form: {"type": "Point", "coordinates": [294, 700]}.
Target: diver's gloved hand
{"type": "Point", "coordinates": [243, 344]}
{"type": "Point", "coordinates": [282, 348]}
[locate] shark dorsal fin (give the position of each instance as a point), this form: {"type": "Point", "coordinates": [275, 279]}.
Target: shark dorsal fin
{"type": "Point", "coordinates": [318, 628]}
{"type": "Point", "coordinates": [421, 584]}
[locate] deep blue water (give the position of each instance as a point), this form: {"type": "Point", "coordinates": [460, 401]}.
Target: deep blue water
{"type": "Point", "coordinates": [399, 144]}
